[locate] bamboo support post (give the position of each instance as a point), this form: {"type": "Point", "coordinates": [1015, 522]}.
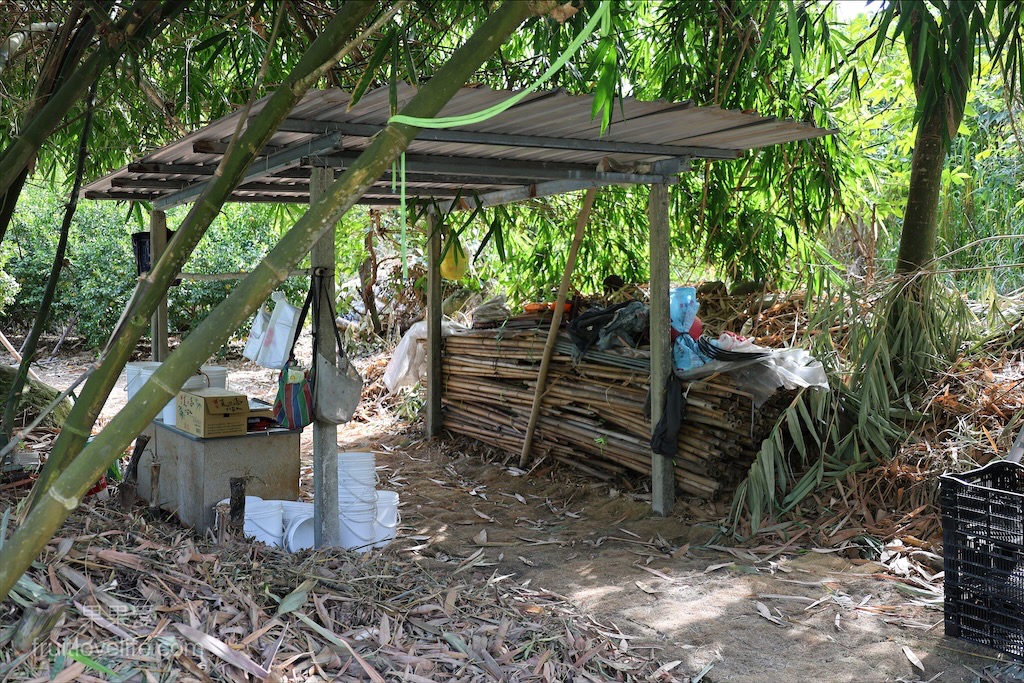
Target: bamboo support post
{"type": "Point", "coordinates": [556, 321]}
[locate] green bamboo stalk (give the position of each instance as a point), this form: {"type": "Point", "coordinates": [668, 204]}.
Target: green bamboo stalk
{"type": "Point", "coordinates": [66, 48]}
{"type": "Point", "coordinates": [32, 341]}
{"type": "Point", "coordinates": [321, 55]}
{"type": "Point", "coordinates": [143, 21]}
{"type": "Point", "coordinates": [64, 495]}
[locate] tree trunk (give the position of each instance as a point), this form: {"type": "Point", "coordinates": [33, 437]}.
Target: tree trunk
{"type": "Point", "coordinates": [368, 279]}
{"type": "Point", "coordinates": [153, 287]}
{"type": "Point", "coordinates": [66, 48]}
{"type": "Point", "coordinates": [917, 239]}
{"type": "Point", "coordinates": [64, 494]}
{"type": "Point", "coordinates": [141, 24]}
{"type": "Point", "coordinates": [32, 341]}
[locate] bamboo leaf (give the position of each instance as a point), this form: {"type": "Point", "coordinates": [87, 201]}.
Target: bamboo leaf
{"type": "Point", "coordinates": [91, 663]}
{"type": "Point", "coordinates": [297, 598]}
{"type": "Point", "coordinates": [380, 52]}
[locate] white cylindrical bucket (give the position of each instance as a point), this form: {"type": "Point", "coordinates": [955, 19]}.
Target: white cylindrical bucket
{"type": "Point", "coordinates": [300, 533]}
{"type": "Point", "coordinates": [218, 375]}
{"type": "Point", "coordinates": [359, 466]}
{"type": "Point", "coordinates": [357, 529]}
{"type": "Point", "coordinates": [386, 522]}
{"type": "Point", "coordinates": [294, 508]}
{"type": "Point", "coordinates": [356, 480]}
{"type": "Point", "coordinates": [133, 377]}
{"type": "Point", "coordinates": [264, 521]}
{"type": "Point", "coordinates": [355, 494]}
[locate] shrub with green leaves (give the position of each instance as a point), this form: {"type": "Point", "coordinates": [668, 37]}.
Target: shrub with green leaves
{"type": "Point", "coordinates": [99, 274]}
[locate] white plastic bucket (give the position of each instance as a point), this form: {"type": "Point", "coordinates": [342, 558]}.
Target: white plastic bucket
{"type": "Point", "coordinates": [133, 379]}
{"type": "Point", "coordinates": [359, 495]}
{"type": "Point", "coordinates": [300, 533]}
{"type": "Point", "coordinates": [357, 480]}
{"type": "Point", "coordinates": [386, 519]}
{"type": "Point", "coordinates": [265, 522]}
{"type": "Point", "coordinates": [357, 529]}
{"type": "Point", "coordinates": [218, 375]}
{"type": "Point", "coordinates": [294, 508]}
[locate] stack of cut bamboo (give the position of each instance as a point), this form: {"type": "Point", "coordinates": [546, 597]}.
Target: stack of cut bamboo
{"type": "Point", "coordinates": [592, 416]}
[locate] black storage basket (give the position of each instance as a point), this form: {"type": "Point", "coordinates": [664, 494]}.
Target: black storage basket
{"type": "Point", "coordinates": [983, 557]}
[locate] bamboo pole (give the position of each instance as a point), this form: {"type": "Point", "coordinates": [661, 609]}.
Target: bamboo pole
{"type": "Point", "coordinates": [67, 490]}
{"type": "Point", "coordinates": [138, 25]}
{"type": "Point", "coordinates": [556, 321]}
{"type": "Point", "coordinates": [16, 356]}
{"type": "Point", "coordinates": [151, 290]}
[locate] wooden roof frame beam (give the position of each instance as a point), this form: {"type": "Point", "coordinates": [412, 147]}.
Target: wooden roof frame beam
{"type": "Point", "coordinates": [365, 130]}
{"type": "Point", "coordinates": [286, 158]}
{"type": "Point", "coordinates": [473, 167]}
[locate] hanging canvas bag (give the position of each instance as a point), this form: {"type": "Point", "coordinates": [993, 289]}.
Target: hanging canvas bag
{"type": "Point", "coordinates": [293, 404]}
{"type": "Point", "coordinates": [339, 386]}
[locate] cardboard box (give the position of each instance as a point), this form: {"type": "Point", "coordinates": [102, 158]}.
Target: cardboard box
{"type": "Point", "coordinates": [211, 413]}
{"type": "Point", "coordinates": [258, 408]}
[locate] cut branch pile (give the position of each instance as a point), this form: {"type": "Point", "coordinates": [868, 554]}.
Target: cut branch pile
{"type": "Point", "coordinates": [592, 417]}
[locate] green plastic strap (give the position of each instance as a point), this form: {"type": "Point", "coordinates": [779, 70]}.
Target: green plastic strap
{"type": "Point", "coordinates": [401, 218]}
{"type": "Point", "coordinates": [601, 16]}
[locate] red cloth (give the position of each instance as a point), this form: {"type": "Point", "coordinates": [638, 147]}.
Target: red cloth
{"type": "Point", "coordinates": [695, 329]}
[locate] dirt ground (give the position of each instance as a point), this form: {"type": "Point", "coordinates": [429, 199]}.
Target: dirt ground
{"type": "Point", "coordinates": [731, 614]}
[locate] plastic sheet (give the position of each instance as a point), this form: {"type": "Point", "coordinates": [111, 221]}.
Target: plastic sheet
{"type": "Point", "coordinates": [409, 361]}
{"type": "Point", "coordinates": [277, 341]}
{"type": "Point", "coordinates": [791, 368]}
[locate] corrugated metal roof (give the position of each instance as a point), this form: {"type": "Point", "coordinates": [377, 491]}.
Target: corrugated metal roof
{"type": "Point", "coordinates": [548, 138]}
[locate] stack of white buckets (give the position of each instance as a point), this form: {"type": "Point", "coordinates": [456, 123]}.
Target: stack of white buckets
{"type": "Point", "coordinates": [368, 518]}
{"type": "Point", "coordinates": [138, 373]}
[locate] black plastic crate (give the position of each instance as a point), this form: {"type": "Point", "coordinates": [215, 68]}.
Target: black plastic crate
{"type": "Point", "coordinates": [983, 557]}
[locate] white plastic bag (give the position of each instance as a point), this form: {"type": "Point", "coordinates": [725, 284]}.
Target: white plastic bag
{"type": "Point", "coordinates": [259, 330]}
{"type": "Point", "coordinates": [408, 363]}
{"type": "Point", "coordinates": [277, 342]}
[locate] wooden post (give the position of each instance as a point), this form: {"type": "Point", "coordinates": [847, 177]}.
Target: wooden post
{"type": "Point", "coordinates": [154, 487]}
{"type": "Point", "coordinates": [157, 243]}
{"type": "Point", "coordinates": [556, 321]}
{"type": "Point", "coordinates": [326, 527]}
{"type": "Point", "coordinates": [236, 512]}
{"type": "Point", "coordinates": [663, 487]}
{"type": "Point", "coordinates": [434, 418]}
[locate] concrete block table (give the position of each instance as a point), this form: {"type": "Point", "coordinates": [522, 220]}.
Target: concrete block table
{"type": "Point", "coordinates": [193, 474]}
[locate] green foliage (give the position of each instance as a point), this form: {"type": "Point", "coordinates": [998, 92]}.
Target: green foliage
{"type": "Point", "coordinates": [100, 273]}
{"type": "Point", "coordinates": [885, 345]}
{"type": "Point", "coordinates": [235, 243]}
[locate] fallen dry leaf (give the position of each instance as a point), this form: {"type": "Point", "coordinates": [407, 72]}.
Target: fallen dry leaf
{"type": "Point", "coordinates": [914, 659]}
